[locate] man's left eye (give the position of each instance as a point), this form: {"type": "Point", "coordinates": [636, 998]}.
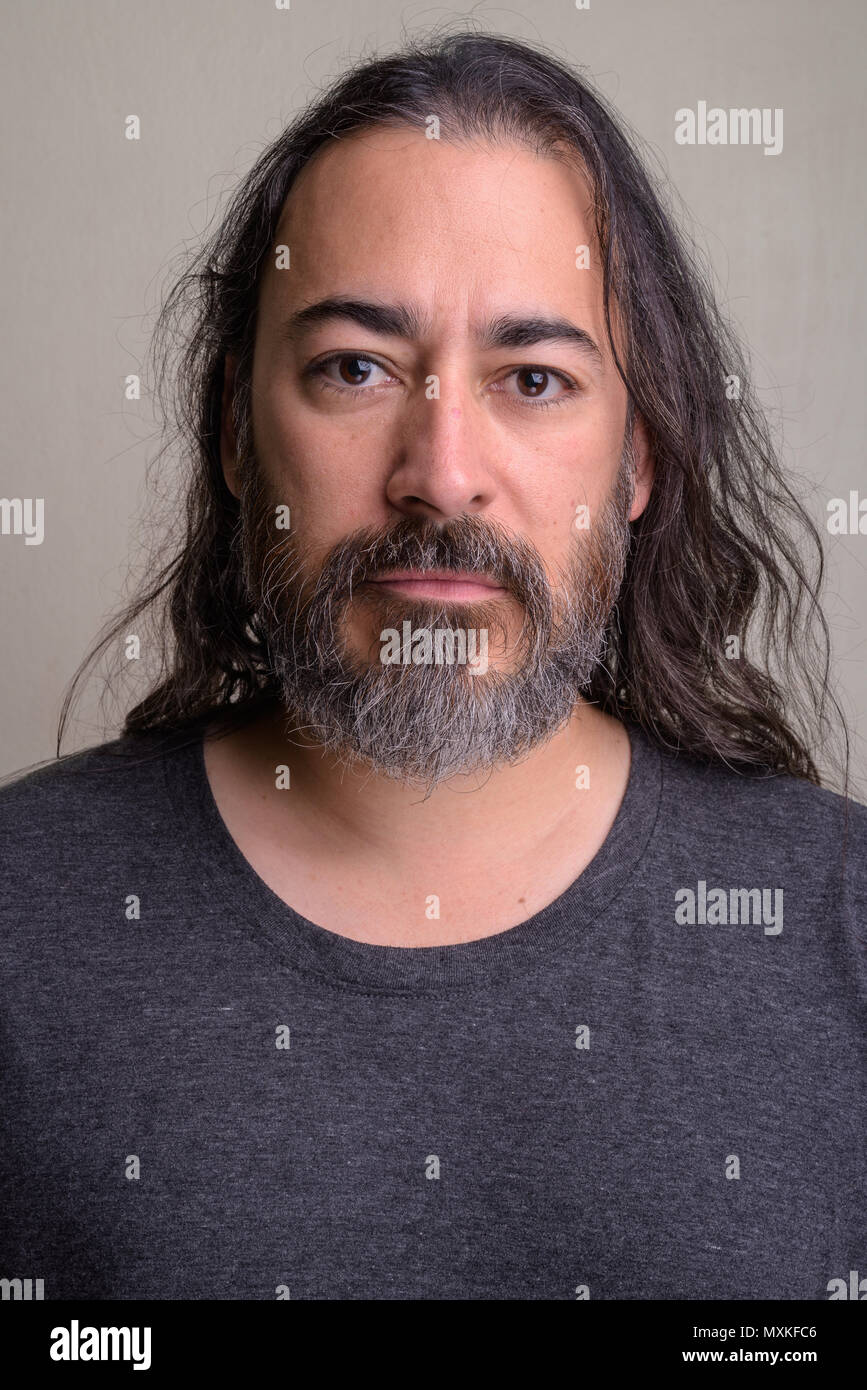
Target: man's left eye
{"type": "Point", "coordinates": [535, 382]}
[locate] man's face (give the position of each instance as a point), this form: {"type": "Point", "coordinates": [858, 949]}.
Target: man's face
{"type": "Point", "coordinates": [464, 436]}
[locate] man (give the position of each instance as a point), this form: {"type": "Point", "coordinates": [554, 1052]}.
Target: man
{"type": "Point", "coordinates": [460, 915]}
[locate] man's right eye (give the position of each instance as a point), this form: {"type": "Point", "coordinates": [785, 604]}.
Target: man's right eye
{"type": "Point", "coordinates": [354, 371]}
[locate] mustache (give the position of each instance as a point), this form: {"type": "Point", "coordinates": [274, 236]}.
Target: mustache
{"type": "Point", "coordinates": [286, 585]}
{"type": "Point", "coordinates": [466, 545]}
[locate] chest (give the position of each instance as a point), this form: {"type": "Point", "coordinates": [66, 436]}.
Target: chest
{"type": "Point", "coordinates": [433, 1157]}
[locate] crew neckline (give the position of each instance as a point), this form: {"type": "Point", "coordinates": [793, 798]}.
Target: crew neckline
{"type": "Point", "coordinates": [555, 929]}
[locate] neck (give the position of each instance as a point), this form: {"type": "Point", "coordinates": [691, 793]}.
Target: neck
{"type": "Point", "coordinates": [482, 817]}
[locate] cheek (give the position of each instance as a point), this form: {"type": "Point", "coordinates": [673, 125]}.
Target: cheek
{"type": "Point", "coordinates": [330, 476]}
{"type": "Point", "coordinates": [573, 483]}
{"type": "Point", "coordinates": [325, 469]}
{"type": "Point", "coordinates": [578, 474]}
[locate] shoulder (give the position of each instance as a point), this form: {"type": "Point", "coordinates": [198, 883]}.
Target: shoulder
{"type": "Point", "coordinates": [763, 827]}
{"type": "Point", "coordinates": [775, 809]}
{"type": "Point", "coordinates": [95, 795]}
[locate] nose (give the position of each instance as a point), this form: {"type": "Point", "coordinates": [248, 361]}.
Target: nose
{"type": "Point", "coordinates": [441, 467]}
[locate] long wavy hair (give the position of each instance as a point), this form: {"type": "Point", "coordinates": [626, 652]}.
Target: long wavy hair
{"type": "Point", "coordinates": [724, 549]}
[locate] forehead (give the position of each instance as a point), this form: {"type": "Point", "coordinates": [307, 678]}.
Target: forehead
{"type": "Point", "coordinates": [447, 226]}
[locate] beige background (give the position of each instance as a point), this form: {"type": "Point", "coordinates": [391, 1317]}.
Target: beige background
{"type": "Point", "coordinates": [92, 223]}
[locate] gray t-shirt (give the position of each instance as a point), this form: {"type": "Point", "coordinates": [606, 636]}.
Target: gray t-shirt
{"type": "Point", "coordinates": [656, 1087]}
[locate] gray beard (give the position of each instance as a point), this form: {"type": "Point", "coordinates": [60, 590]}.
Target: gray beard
{"type": "Point", "coordinates": [423, 724]}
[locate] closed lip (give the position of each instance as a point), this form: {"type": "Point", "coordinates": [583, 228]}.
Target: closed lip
{"type": "Point", "coordinates": [438, 576]}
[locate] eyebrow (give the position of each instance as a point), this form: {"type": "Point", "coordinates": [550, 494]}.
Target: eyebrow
{"type": "Point", "coordinates": [403, 321]}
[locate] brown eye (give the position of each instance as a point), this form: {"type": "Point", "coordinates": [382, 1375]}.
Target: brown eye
{"type": "Point", "coordinates": [535, 380]}
{"type": "Point", "coordinates": [535, 383]}
{"type": "Point", "coordinates": [354, 372]}
{"type": "Point", "coordinates": [353, 368]}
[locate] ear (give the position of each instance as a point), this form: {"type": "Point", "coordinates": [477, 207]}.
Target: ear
{"type": "Point", "coordinates": [643, 456]}
{"type": "Point", "coordinates": [228, 443]}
